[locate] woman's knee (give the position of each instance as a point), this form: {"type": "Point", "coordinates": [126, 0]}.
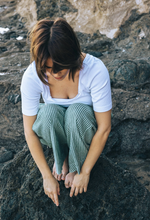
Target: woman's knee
{"type": "Point", "coordinates": [78, 114]}
{"type": "Point", "coordinates": [48, 111]}
{"type": "Point", "coordinates": [76, 110]}
{"type": "Point", "coordinates": [49, 114]}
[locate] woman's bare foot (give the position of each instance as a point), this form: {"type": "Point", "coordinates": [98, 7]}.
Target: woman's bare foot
{"type": "Point", "coordinates": [64, 171]}
{"type": "Point", "coordinates": [69, 179]}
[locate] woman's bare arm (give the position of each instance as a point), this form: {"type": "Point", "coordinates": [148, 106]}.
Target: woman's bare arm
{"type": "Point", "coordinates": [98, 142]}
{"type": "Point", "coordinates": [50, 184]}
{"type": "Point", "coordinates": [81, 180]}
{"type": "Point", "coordinates": [35, 146]}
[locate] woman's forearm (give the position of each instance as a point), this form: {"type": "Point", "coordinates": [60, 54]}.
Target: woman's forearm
{"type": "Point", "coordinates": [38, 154]}
{"type": "Point", "coordinates": [95, 150]}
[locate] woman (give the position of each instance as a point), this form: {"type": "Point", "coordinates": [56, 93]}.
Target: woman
{"type": "Point", "coordinates": [76, 117]}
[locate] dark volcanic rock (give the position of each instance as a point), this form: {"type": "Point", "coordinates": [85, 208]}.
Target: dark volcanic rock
{"type": "Point", "coordinates": [129, 138]}
{"type": "Point", "coordinates": [98, 45]}
{"type": "Point", "coordinates": [129, 72]}
{"type": "Point", "coordinates": [53, 8]}
{"type": "Point", "coordinates": [11, 124]}
{"type": "Point", "coordinates": [14, 98]}
{"type": "Point", "coordinates": [129, 105]}
{"type": "Point", "coordinates": [113, 193]}
{"type": "Point", "coordinates": [5, 156]}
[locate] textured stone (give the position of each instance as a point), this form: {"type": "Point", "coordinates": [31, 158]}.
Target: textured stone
{"type": "Point", "coordinates": [128, 72]}
{"type": "Point", "coordinates": [113, 193]}
{"type": "Point", "coordinates": [129, 105]}
{"type": "Point", "coordinates": [129, 138]}
{"type": "Point", "coordinates": [5, 156]}
{"type": "Point", "coordinates": [15, 98]}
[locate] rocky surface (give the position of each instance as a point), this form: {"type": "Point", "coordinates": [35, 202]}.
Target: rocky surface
{"type": "Point", "coordinates": [112, 194]}
{"type": "Point", "coordinates": [127, 58]}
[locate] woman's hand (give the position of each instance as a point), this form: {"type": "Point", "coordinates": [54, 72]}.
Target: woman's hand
{"type": "Point", "coordinates": [80, 184]}
{"type": "Point", "coordinates": [51, 189]}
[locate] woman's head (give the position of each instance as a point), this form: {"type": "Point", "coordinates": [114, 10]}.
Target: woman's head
{"type": "Point", "coordinates": [57, 41]}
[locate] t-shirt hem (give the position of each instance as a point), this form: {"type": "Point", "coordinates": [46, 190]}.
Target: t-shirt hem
{"type": "Point", "coordinates": [104, 109]}
{"type": "Point", "coordinates": [29, 113]}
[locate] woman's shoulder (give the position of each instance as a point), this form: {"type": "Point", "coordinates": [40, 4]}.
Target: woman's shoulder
{"type": "Point", "coordinates": [31, 72]}
{"type": "Point", "coordinates": [30, 78]}
{"type": "Point", "coordinates": [93, 62]}
{"type": "Point", "coordinates": [93, 67]}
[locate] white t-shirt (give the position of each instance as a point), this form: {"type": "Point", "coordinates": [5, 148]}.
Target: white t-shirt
{"type": "Point", "coordinates": [93, 88]}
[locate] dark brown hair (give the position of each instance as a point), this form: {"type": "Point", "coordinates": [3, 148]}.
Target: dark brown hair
{"type": "Point", "coordinates": [57, 40]}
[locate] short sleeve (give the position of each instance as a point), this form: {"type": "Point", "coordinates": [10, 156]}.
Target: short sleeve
{"type": "Point", "coordinates": [30, 92]}
{"type": "Point", "coordinates": [100, 89]}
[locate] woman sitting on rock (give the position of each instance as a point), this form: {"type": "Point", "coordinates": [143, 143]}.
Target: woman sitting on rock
{"type": "Point", "coordinates": [75, 119]}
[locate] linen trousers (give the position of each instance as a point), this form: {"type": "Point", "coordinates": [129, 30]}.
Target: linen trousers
{"type": "Point", "coordinates": [68, 131]}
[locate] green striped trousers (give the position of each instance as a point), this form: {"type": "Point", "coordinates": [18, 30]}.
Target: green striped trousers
{"type": "Point", "coordinates": [68, 131]}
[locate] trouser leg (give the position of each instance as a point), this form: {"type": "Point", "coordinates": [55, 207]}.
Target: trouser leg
{"type": "Point", "coordinates": [80, 127]}
{"type": "Point", "coordinates": [49, 127]}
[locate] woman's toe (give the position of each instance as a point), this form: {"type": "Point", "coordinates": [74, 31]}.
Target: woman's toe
{"type": "Point", "coordinates": [59, 177]}
{"type": "Point", "coordinates": [56, 176]}
{"type": "Point", "coordinates": [54, 168]}
{"type": "Point", "coordinates": [63, 176]}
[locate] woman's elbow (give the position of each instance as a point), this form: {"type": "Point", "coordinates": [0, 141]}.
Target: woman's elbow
{"type": "Point", "coordinates": [105, 131]}
{"type": "Point", "coordinates": [28, 133]}
{"type": "Point", "coordinates": [108, 130]}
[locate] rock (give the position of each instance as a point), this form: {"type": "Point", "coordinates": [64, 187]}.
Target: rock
{"type": "Point", "coordinates": [11, 123]}
{"type": "Point", "coordinates": [146, 183]}
{"type": "Point", "coordinates": [113, 194]}
{"type": "Point", "coordinates": [15, 98]}
{"type": "Point", "coordinates": [105, 16]}
{"type": "Point", "coordinates": [127, 72]}
{"type": "Point", "coordinates": [112, 148]}
{"type": "Point", "coordinates": [98, 45]}
{"type": "Point", "coordinates": [10, 34]}
{"type": "Point", "coordinates": [129, 105]}
{"type": "Point", "coordinates": [129, 138]}
{"type": "Point", "coordinates": [143, 68]}
{"type": "Point", "coordinates": [130, 31]}
{"type": "Point", "coordinates": [6, 156]}
{"type": "Point", "coordinates": [95, 53]}
{"type": "Point", "coordinates": [3, 49]}
{"type": "Point", "coordinates": [64, 8]}
{"type": "Point", "coordinates": [140, 177]}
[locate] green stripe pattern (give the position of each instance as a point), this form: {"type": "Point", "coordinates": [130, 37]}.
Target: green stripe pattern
{"type": "Point", "coordinates": [68, 131]}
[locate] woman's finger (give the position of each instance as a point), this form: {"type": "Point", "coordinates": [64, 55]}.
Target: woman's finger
{"type": "Point", "coordinates": [72, 190]}
{"type": "Point", "coordinates": [58, 190]}
{"type": "Point", "coordinates": [47, 193]}
{"type": "Point", "coordinates": [85, 189]}
{"type": "Point", "coordinates": [56, 199]}
{"type": "Point", "coordinates": [76, 191]}
{"type": "Point", "coordinates": [81, 190]}
{"type": "Point", "coordinates": [50, 195]}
